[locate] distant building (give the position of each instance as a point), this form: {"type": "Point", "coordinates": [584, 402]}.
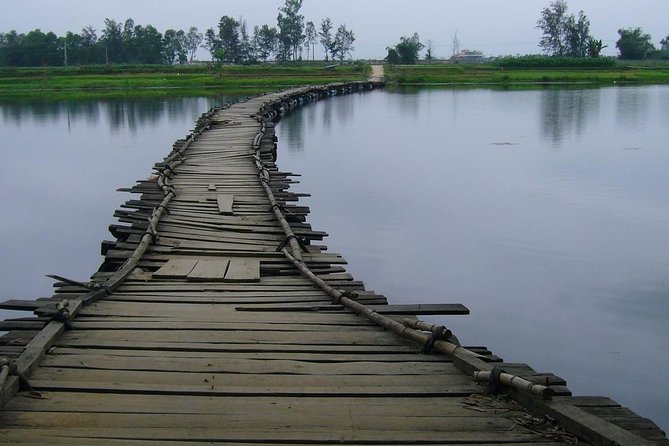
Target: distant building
{"type": "Point", "coordinates": [468, 56]}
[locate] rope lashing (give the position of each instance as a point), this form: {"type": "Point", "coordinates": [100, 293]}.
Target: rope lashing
{"type": "Point", "coordinates": [164, 208]}
{"type": "Point", "coordinates": [151, 230]}
{"type": "Point", "coordinates": [281, 208]}
{"type": "Point", "coordinates": [336, 300]}
{"type": "Point", "coordinates": [287, 239]}
{"type": "Point", "coordinates": [500, 378]}
{"type": "Point", "coordinates": [4, 371]}
{"type": "Point", "coordinates": [63, 315]}
{"type": "Point", "coordinates": [441, 333]}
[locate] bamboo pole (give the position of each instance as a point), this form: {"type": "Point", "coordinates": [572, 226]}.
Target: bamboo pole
{"type": "Point", "coordinates": [466, 360]}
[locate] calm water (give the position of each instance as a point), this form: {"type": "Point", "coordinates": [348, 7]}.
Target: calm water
{"type": "Point", "coordinates": [61, 165]}
{"type": "Point", "coordinates": [546, 212]}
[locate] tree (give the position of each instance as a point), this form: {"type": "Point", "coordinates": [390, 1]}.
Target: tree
{"type": "Point", "coordinates": [595, 47]}
{"type": "Point", "coordinates": [428, 55]}
{"type": "Point", "coordinates": [634, 44]}
{"type": "Point", "coordinates": [89, 36]}
{"type": "Point", "coordinates": [552, 23]}
{"type": "Point", "coordinates": [147, 45]}
{"type": "Point", "coordinates": [564, 34]}
{"type": "Point", "coordinates": [343, 42]}
{"type": "Point", "coordinates": [310, 39]}
{"type": "Point", "coordinates": [112, 40]}
{"type": "Point", "coordinates": [456, 44]}
{"type": "Point", "coordinates": [174, 47]}
{"type": "Point", "coordinates": [265, 41]}
{"type": "Point", "coordinates": [213, 44]}
{"type": "Point", "coordinates": [393, 57]}
{"type": "Point", "coordinates": [228, 36]}
{"type": "Point", "coordinates": [577, 35]}
{"type": "Point", "coordinates": [246, 51]}
{"type": "Point", "coordinates": [664, 43]}
{"type": "Point", "coordinates": [325, 34]}
{"type": "Point", "coordinates": [405, 52]}
{"type": "Point", "coordinates": [291, 29]}
{"type": "Point", "coordinates": [192, 42]}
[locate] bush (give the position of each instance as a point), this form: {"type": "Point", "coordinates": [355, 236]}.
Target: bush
{"type": "Point", "coordinates": [554, 62]}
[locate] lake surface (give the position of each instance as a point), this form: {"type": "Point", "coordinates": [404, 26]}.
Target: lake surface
{"type": "Point", "coordinates": [61, 165]}
{"type": "Point", "coordinates": [545, 211]}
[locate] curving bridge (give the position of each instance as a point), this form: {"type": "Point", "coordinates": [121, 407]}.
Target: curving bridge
{"type": "Point", "coordinates": [219, 317]}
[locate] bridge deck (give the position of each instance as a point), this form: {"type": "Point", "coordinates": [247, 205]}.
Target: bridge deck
{"type": "Point", "coordinates": [216, 337]}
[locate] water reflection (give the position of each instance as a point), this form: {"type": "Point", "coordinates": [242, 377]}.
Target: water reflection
{"type": "Point", "coordinates": [62, 163]}
{"type": "Point", "coordinates": [632, 106]}
{"type": "Point", "coordinates": [566, 112]}
{"type": "Point", "coordinates": [130, 114]}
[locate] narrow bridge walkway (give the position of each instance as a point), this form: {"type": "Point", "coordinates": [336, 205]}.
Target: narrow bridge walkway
{"type": "Point", "coordinates": [215, 335]}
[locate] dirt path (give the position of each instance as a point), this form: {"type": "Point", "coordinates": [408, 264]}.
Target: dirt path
{"type": "Point", "coordinates": [377, 74]}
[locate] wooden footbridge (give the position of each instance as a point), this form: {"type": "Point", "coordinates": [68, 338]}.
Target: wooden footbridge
{"type": "Point", "coordinates": [218, 317]}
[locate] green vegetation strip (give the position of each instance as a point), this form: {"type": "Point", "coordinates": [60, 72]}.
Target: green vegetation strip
{"type": "Point", "coordinates": [500, 73]}
{"type": "Point", "coordinates": [142, 79]}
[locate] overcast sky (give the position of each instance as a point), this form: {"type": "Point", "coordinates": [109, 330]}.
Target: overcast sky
{"type": "Point", "coordinates": [492, 26]}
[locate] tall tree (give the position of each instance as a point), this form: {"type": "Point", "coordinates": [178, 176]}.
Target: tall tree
{"type": "Point", "coordinates": [147, 45]}
{"type": "Point", "coordinates": [112, 41]}
{"type": "Point", "coordinates": [552, 24]}
{"type": "Point", "coordinates": [246, 53]}
{"type": "Point", "coordinates": [429, 53]}
{"type": "Point", "coordinates": [634, 44]}
{"type": "Point", "coordinates": [266, 41]}
{"type": "Point", "coordinates": [343, 42]}
{"type": "Point", "coordinates": [192, 42]}
{"type": "Point", "coordinates": [291, 29]}
{"type": "Point", "coordinates": [577, 35]}
{"type": "Point", "coordinates": [326, 38]}
{"type": "Point", "coordinates": [563, 33]}
{"type": "Point", "coordinates": [174, 47]}
{"type": "Point", "coordinates": [228, 33]}
{"type": "Point", "coordinates": [310, 39]}
{"type": "Point", "coordinates": [213, 44]}
{"type": "Point", "coordinates": [664, 44]}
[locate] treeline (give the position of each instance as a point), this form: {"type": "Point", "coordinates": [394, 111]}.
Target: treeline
{"type": "Point", "coordinates": [130, 43]}
{"type": "Point", "coordinates": [292, 39]}
{"type": "Point", "coordinates": [567, 35]}
{"type": "Point", "coordinates": [118, 43]}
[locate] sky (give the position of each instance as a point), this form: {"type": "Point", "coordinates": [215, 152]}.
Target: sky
{"type": "Point", "coordinates": [492, 26]}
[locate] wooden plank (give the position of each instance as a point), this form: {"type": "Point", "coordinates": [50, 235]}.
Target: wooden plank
{"type": "Point", "coordinates": [251, 366]}
{"type": "Point", "coordinates": [176, 268]}
{"type": "Point", "coordinates": [243, 270]}
{"type": "Point", "coordinates": [224, 203]}
{"type": "Point", "coordinates": [270, 420]}
{"type": "Point", "coordinates": [209, 270]}
{"type": "Point", "coordinates": [23, 304]}
{"type": "Point", "coordinates": [313, 356]}
{"type": "Point", "coordinates": [260, 434]}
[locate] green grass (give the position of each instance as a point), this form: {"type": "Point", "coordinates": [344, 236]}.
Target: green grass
{"type": "Point", "coordinates": [150, 79]}
{"type": "Point", "coordinates": [493, 74]}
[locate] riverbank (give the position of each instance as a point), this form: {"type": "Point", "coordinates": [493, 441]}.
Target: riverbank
{"type": "Point", "coordinates": [148, 80]}
{"type": "Point", "coordinates": [459, 74]}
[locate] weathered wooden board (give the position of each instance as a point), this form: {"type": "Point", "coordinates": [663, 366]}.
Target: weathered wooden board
{"type": "Point", "coordinates": [243, 270]}
{"type": "Point", "coordinates": [176, 268]}
{"type": "Point", "coordinates": [225, 202]}
{"type": "Point", "coordinates": [209, 270]}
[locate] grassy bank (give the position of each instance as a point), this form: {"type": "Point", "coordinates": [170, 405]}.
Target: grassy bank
{"type": "Point", "coordinates": [159, 80]}
{"type": "Point", "coordinates": [494, 74]}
